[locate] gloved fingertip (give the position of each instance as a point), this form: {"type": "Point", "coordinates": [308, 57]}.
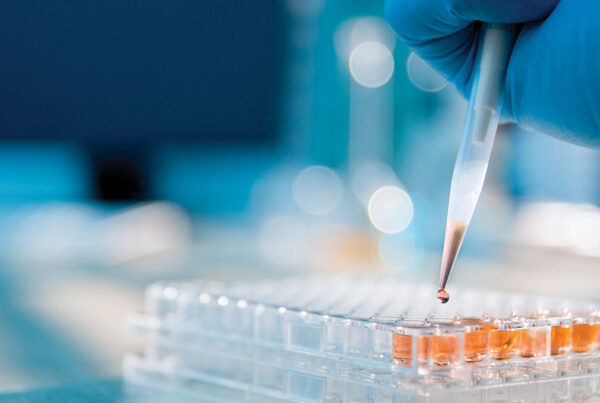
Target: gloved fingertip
{"type": "Point", "coordinates": [398, 15]}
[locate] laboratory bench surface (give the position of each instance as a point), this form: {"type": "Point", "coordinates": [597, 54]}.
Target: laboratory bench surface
{"type": "Point", "coordinates": [64, 330]}
{"type": "Point", "coordinates": [101, 390]}
{"type": "Point", "coordinates": [116, 390]}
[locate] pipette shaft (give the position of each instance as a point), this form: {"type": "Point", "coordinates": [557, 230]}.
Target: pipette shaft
{"type": "Point", "coordinates": [478, 138]}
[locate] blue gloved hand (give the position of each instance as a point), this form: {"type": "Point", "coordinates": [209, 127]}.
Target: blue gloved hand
{"type": "Point", "coordinates": [553, 76]}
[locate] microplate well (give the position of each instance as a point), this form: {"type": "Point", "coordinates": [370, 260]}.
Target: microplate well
{"type": "Point", "coordinates": [336, 338]}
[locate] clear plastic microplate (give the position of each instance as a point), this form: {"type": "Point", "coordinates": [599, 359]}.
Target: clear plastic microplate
{"type": "Point", "coordinates": [365, 338]}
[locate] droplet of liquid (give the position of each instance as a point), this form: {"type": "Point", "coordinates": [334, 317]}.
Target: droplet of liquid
{"type": "Point", "coordinates": [443, 296]}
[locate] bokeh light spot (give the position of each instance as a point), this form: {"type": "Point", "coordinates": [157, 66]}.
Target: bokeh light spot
{"type": "Point", "coordinates": [317, 190]}
{"type": "Point", "coordinates": [355, 31]}
{"type": "Point", "coordinates": [390, 209]}
{"type": "Point", "coordinates": [171, 293]}
{"type": "Point", "coordinates": [371, 64]}
{"type": "Point", "coordinates": [423, 76]}
{"type": "Point", "coordinates": [368, 176]}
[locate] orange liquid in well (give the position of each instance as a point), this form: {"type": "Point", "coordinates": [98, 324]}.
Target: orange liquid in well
{"type": "Point", "coordinates": [531, 342]}
{"type": "Point", "coordinates": [477, 342]}
{"type": "Point", "coordinates": [503, 343]}
{"type": "Point", "coordinates": [402, 349]}
{"type": "Point", "coordinates": [561, 339]}
{"type": "Point", "coordinates": [445, 349]}
{"type": "Point", "coordinates": [584, 337]}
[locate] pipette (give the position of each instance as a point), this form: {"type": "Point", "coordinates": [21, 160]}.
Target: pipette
{"type": "Point", "coordinates": [478, 138]}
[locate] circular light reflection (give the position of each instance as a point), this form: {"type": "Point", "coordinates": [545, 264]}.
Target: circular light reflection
{"type": "Point", "coordinates": [171, 293]}
{"type": "Point", "coordinates": [423, 76]}
{"type": "Point", "coordinates": [317, 190]}
{"type": "Point", "coordinates": [371, 64]}
{"type": "Point", "coordinates": [373, 29]}
{"type": "Point", "coordinates": [368, 176]}
{"type": "Point", "coordinates": [354, 31]}
{"type": "Point", "coordinates": [390, 209]}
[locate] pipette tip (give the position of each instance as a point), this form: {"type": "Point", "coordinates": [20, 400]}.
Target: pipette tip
{"type": "Point", "coordinates": [443, 296]}
{"type": "Point", "coordinates": [455, 233]}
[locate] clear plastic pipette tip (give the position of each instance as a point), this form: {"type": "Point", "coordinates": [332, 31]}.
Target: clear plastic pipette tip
{"type": "Point", "coordinates": [478, 139]}
{"type": "Point", "coordinates": [455, 233]}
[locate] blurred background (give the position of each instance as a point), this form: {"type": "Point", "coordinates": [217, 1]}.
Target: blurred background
{"type": "Point", "coordinates": [146, 140]}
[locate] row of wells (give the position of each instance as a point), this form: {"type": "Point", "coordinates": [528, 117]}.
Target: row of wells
{"type": "Point", "coordinates": [472, 340]}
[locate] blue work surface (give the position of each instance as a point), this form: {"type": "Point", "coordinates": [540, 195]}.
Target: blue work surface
{"type": "Point", "coordinates": [117, 390]}
{"type": "Point", "coordinates": [101, 390]}
{"type": "Point", "coordinates": [105, 390]}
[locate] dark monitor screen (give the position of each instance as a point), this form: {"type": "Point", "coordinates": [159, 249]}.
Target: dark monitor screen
{"type": "Point", "coordinates": [123, 71]}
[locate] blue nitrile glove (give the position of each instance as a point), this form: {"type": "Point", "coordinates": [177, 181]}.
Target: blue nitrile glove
{"type": "Point", "coordinates": [553, 76]}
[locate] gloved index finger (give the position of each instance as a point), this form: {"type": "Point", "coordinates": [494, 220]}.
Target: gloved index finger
{"type": "Point", "coordinates": [443, 33]}
{"type": "Point", "coordinates": [503, 11]}
{"type": "Point", "coordinates": [423, 20]}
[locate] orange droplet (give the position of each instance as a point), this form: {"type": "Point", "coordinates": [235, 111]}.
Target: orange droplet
{"type": "Point", "coordinates": [443, 296]}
